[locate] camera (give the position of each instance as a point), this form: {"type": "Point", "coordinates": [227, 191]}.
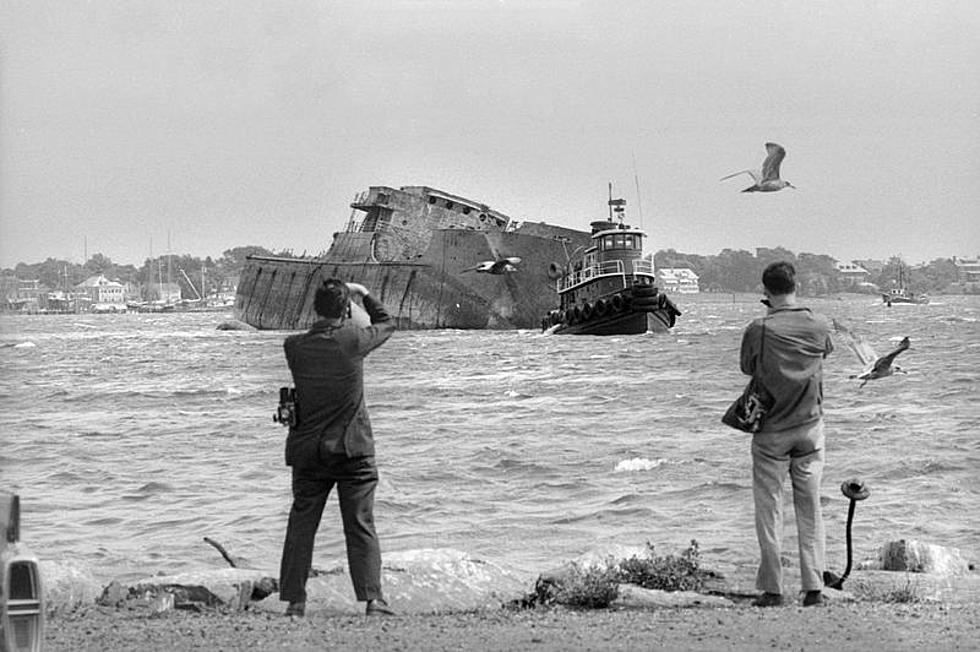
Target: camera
{"type": "Point", "coordinates": [286, 412]}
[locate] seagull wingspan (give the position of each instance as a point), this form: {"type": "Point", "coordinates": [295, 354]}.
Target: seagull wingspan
{"type": "Point", "coordinates": [885, 361]}
{"type": "Point", "coordinates": [774, 157]}
{"type": "Point", "coordinates": [755, 174]}
{"type": "Point", "coordinates": [865, 352]}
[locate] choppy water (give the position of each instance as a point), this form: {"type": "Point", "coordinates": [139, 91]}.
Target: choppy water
{"type": "Point", "coordinates": [129, 438]}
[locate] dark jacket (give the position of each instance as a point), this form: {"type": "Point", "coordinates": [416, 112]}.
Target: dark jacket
{"type": "Point", "coordinates": [795, 343]}
{"type": "Point", "coordinates": [327, 367]}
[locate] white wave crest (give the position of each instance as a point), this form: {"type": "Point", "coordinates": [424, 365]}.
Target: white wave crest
{"type": "Point", "coordinates": [638, 464]}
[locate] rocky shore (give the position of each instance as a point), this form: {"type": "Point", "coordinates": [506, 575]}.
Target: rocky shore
{"type": "Point", "coordinates": [839, 626]}
{"type": "Point", "coordinates": [933, 602]}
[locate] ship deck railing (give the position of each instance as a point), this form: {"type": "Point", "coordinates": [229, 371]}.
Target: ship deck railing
{"type": "Point", "coordinates": [605, 269]}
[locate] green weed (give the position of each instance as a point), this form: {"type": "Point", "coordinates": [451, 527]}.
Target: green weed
{"type": "Point", "coordinates": [597, 587]}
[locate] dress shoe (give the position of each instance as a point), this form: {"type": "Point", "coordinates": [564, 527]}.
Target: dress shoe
{"type": "Point", "coordinates": [813, 599]}
{"type": "Point", "coordinates": [297, 609]}
{"type": "Point", "coordinates": [768, 600]}
{"type": "Point", "coordinates": [378, 607]}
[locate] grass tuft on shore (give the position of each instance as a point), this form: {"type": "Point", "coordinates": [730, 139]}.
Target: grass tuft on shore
{"type": "Point", "coordinates": [597, 587]}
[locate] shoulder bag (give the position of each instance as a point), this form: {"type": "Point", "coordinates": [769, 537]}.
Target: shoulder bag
{"type": "Point", "coordinates": [748, 412]}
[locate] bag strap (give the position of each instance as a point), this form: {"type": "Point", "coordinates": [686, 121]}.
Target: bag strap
{"type": "Point", "coordinates": [762, 350]}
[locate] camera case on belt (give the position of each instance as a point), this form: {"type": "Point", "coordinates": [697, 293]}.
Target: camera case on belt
{"type": "Point", "coordinates": [286, 412]}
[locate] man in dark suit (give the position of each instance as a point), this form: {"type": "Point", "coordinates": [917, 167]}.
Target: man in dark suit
{"type": "Point", "coordinates": [331, 443]}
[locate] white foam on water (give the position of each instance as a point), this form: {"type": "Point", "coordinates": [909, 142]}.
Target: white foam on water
{"type": "Point", "coordinates": [638, 464]}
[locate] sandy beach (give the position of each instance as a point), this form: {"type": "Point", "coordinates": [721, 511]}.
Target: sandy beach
{"type": "Point", "coordinates": [840, 627]}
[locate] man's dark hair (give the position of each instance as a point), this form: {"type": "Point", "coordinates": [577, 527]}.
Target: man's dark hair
{"type": "Point", "coordinates": [779, 278]}
{"type": "Point", "coordinates": [331, 298]}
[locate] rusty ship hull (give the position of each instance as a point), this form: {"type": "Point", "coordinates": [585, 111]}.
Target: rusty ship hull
{"type": "Point", "coordinates": [419, 250]}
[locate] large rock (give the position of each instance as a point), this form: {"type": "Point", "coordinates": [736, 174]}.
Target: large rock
{"type": "Point", "coordinates": [634, 596]}
{"type": "Point", "coordinates": [66, 585]}
{"type": "Point", "coordinates": [918, 557]}
{"type": "Point", "coordinates": [230, 588]}
{"type": "Point", "coordinates": [416, 582]}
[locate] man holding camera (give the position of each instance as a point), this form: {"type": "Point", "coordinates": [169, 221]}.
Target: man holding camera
{"type": "Point", "coordinates": [788, 346]}
{"type": "Point", "coordinates": [331, 443]}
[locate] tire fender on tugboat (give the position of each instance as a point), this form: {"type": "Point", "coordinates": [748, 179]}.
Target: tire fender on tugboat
{"type": "Point", "coordinates": [587, 310]}
{"type": "Point", "coordinates": [601, 308]}
{"type": "Point", "coordinates": [618, 304]}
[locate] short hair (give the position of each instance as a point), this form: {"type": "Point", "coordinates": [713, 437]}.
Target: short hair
{"type": "Point", "coordinates": [331, 298]}
{"type": "Point", "coordinates": [779, 278]}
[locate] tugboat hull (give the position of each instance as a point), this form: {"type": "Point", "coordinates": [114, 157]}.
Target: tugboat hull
{"type": "Point", "coordinates": [631, 324]}
{"type": "Point", "coordinates": [632, 312]}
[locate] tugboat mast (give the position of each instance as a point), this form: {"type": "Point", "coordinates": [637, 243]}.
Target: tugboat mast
{"type": "Point", "coordinates": [617, 206]}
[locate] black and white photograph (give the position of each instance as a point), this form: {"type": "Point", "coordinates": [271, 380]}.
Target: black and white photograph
{"type": "Point", "coordinates": [489, 325]}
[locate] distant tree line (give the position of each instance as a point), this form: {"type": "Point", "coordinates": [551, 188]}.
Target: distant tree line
{"type": "Point", "coordinates": [731, 270]}
{"type": "Point", "coordinates": [741, 271]}
{"type": "Point", "coordinates": [208, 276]}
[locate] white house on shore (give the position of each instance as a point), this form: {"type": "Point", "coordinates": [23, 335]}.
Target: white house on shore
{"type": "Point", "coordinates": [852, 274]}
{"type": "Point", "coordinates": [680, 280]}
{"type": "Point", "coordinates": [102, 294]}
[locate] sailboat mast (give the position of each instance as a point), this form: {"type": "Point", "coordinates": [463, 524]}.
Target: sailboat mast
{"type": "Point", "coordinates": [149, 265]}
{"type": "Point", "coordinates": [169, 264]}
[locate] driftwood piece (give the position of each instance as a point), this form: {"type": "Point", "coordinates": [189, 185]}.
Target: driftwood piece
{"type": "Point", "coordinates": [232, 561]}
{"type": "Point", "coordinates": [240, 562]}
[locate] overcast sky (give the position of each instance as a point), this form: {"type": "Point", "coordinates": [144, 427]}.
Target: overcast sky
{"type": "Point", "coordinates": [235, 122]}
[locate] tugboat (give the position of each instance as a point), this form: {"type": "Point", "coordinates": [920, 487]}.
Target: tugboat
{"type": "Point", "coordinates": [610, 290]}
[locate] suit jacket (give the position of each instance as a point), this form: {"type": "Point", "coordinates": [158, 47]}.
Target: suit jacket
{"type": "Point", "coordinates": [327, 367]}
{"type": "Point", "coordinates": [792, 350]}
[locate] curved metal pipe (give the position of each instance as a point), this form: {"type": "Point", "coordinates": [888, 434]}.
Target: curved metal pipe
{"type": "Point", "coordinates": [855, 491]}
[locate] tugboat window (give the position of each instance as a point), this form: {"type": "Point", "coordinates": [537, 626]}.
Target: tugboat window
{"type": "Point", "coordinates": [608, 241]}
{"type": "Point", "coordinates": [449, 205]}
{"type": "Point", "coordinates": [620, 241]}
{"type": "Point", "coordinates": [432, 200]}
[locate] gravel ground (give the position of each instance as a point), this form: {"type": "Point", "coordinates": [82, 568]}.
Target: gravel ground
{"type": "Point", "coordinates": [839, 627]}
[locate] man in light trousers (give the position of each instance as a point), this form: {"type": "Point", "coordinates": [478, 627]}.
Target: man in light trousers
{"type": "Point", "coordinates": [788, 346]}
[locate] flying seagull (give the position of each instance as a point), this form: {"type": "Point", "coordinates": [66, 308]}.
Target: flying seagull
{"type": "Point", "coordinates": [766, 180]}
{"type": "Point", "coordinates": [874, 366]}
{"type": "Point", "coordinates": [501, 266]}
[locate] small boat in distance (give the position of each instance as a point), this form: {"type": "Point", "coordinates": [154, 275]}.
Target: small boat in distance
{"type": "Point", "coordinates": [902, 294]}
{"type": "Point", "coordinates": [610, 290]}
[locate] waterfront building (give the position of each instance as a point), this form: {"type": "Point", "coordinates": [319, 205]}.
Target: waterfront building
{"type": "Point", "coordinates": [101, 294]}
{"type": "Point", "coordinates": [680, 280]}
{"type": "Point", "coordinates": [852, 274]}
{"type": "Point", "coordinates": [967, 269]}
